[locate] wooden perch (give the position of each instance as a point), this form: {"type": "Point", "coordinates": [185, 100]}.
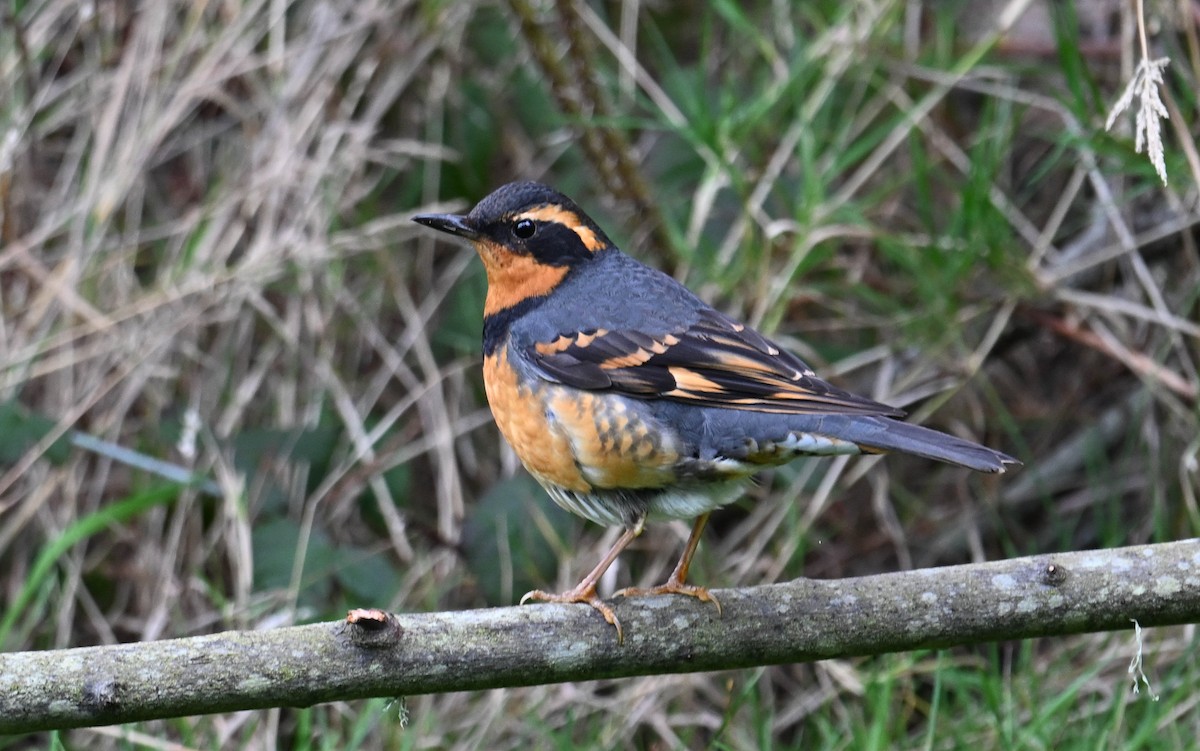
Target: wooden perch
{"type": "Point", "coordinates": [377, 654]}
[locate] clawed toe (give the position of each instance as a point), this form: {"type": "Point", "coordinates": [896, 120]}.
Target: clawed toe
{"type": "Point", "coordinates": [585, 595]}
{"type": "Point", "coordinates": [673, 588]}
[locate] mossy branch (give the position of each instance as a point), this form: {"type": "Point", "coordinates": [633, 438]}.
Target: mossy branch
{"type": "Point", "coordinates": [375, 654]}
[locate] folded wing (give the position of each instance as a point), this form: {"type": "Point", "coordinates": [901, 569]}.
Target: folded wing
{"type": "Point", "coordinates": [715, 362]}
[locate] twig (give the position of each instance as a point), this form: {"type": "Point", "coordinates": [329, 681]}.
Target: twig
{"type": "Point", "coordinates": [377, 654]}
{"type": "Point", "coordinates": [1137, 362]}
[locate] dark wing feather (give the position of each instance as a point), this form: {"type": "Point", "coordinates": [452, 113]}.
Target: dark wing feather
{"type": "Point", "coordinates": [714, 362]}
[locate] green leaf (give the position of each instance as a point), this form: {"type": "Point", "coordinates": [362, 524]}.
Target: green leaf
{"type": "Point", "coordinates": [276, 544]}
{"type": "Point", "coordinates": [21, 429]}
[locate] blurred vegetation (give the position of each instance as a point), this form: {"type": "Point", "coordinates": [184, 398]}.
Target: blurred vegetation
{"type": "Point", "coordinates": [206, 259]}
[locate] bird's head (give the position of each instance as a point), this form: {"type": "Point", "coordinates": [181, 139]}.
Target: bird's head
{"type": "Point", "coordinates": [529, 236]}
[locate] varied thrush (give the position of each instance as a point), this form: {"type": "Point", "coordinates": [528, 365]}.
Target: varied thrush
{"type": "Point", "coordinates": [630, 399]}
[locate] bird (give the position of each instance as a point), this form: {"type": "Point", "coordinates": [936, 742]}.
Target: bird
{"type": "Point", "coordinates": [629, 399]}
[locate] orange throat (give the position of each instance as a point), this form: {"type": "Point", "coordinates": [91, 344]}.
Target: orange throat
{"type": "Point", "coordinates": [514, 278]}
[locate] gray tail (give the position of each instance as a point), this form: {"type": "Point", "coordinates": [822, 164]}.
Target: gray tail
{"type": "Point", "coordinates": [885, 435]}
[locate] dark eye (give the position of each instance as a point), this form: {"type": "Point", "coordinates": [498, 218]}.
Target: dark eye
{"type": "Point", "coordinates": [524, 228]}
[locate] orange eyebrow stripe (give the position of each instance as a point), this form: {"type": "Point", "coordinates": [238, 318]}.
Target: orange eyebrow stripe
{"type": "Point", "coordinates": [566, 218]}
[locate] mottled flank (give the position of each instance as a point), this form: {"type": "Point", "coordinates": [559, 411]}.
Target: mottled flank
{"type": "Point", "coordinates": [578, 440]}
{"type": "Point", "coordinates": [614, 444]}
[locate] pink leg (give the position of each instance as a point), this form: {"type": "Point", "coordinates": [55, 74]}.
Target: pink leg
{"type": "Point", "coordinates": [675, 583]}
{"type": "Point", "coordinates": [585, 591]}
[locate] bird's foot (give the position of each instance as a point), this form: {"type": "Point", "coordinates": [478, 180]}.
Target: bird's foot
{"type": "Point", "coordinates": [673, 587]}
{"type": "Point", "coordinates": [584, 594]}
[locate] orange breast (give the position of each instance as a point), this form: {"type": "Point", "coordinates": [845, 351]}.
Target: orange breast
{"type": "Point", "coordinates": [577, 439]}
{"type": "Point", "coordinates": [520, 412]}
